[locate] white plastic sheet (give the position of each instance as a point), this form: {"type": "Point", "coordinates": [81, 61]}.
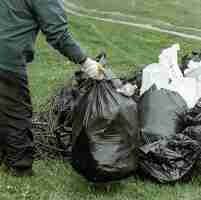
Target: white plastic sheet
{"type": "Point", "coordinates": [167, 74]}
{"type": "Point", "coordinates": [194, 71]}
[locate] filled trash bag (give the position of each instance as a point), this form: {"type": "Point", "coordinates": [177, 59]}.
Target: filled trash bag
{"type": "Point", "coordinates": [105, 133]}
{"type": "Point", "coordinates": [192, 122]}
{"type": "Point", "coordinates": [64, 105]}
{"type": "Point", "coordinates": [192, 69]}
{"type": "Point", "coordinates": [168, 153]}
{"type": "Point", "coordinates": [61, 118]}
{"type": "Point", "coordinates": [62, 112]}
{"type": "Point", "coordinates": [170, 159]}
{"type": "Point", "coordinates": [166, 74]}
{"type": "Point", "coordinates": [192, 117]}
{"type": "Point", "coordinates": [160, 114]}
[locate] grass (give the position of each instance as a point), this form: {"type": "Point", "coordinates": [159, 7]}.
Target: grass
{"type": "Point", "coordinates": [56, 181]}
{"type": "Point", "coordinates": [127, 49]}
{"type": "Point", "coordinates": [180, 12]}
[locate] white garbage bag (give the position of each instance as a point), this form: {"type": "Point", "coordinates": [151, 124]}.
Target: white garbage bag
{"type": "Point", "coordinates": [167, 74]}
{"type": "Point", "coordinates": [187, 89]}
{"type": "Point", "coordinates": [169, 59]}
{"type": "Point", "coordinates": [194, 71]}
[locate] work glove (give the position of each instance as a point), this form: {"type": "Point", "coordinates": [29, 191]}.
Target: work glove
{"type": "Point", "coordinates": [93, 69]}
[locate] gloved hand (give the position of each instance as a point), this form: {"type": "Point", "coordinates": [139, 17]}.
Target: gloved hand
{"type": "Point", "coordinates": [93, 69]}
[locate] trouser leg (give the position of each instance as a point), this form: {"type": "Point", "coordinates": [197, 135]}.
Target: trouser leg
{"type": "Point", "coordinates": [15, 121]}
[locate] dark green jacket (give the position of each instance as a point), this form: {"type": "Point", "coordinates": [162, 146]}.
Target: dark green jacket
{"type": "Point", "coordinates": [20, 22]}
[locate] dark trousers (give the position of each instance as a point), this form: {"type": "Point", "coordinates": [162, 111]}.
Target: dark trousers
{"type": "Point", "coordinates": [16, 140]}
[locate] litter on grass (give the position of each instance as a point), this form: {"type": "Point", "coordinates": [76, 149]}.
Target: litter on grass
{"type": "Point", "coordinates": [151, 120]}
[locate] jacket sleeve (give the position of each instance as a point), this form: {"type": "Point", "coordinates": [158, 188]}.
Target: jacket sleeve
{"type": "Point", "coordinates": [52, 19]}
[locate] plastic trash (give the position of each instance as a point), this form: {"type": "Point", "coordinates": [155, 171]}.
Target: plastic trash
{"type": "Point", "coordinates": [192, 65]}
{"type": "Point", "coordinates": [192, 122]}
{"type": "Point", "coordinates": [190, 62]}
{"type": "Point", "coordinates": [194, 112]}
{"type": "Point", "coordinates": [105, 133]}
{"type": "Point", "coordinates": [135, 79]}
{"type": "Point", "coordinates": [170, 159]}
{"type": "Point", "coordinates": [167, 75]}
{"type": "Point", "coordinates": [62, 115]}
{"type": "Point", "coordinates": [192, 69]}
{"type": "Point", "coordinates": [163, 72]}
{"type": "Point", "coordinates": [169, 60]}
{"type": "Point", "coordinates": [160, 114]}
{"type": "Point", "coordinates": [61, 118]}
{"type": "Point", "coordinates": [127, 89]}
{"type": "Point", "coordinates": [168, 153]}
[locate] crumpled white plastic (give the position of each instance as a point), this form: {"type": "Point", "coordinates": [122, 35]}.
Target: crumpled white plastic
{"type": "Point", "coordinates": [193, 70]}
{"type": "Point", "coordinates": [169, 60]}
{"type": "Point", "coordinates": [127, 89]}
{"type": "Point", "coordinates": [167, 74]}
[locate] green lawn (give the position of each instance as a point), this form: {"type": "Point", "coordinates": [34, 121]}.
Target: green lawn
{"type": "Point", "coordinates": [55, 181]}
{"type": "Point", "coordinates": [179, 12]}
{"type": "Point", "coordinates": [127, 49]}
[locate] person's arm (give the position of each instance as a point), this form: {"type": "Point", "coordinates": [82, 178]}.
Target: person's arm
{"type": "Point", "coordinates": [51, 17]}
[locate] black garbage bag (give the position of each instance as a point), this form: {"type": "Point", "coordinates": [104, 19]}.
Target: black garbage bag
{"type": "Point", "coordinates": [64, 105]}
{"type": "Point", "coordinates": [194, 132]}
{"type": "Point", "coordinates": [170, 159]}
{"type": "Point", "coordinates": [192, 117]}
{"type": "Point", "coordinates": [167, 155]}
{"type": "Point", "coordinates": [192, 121]}
{"type": "Point", "coordinates": [160, 113]}
{"type": "Point", "coordinates": [61, 113]}
{"type": "Point", "coordinates": [62, 118]}
{"type": "Point", "coordinates": [105, 133]}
